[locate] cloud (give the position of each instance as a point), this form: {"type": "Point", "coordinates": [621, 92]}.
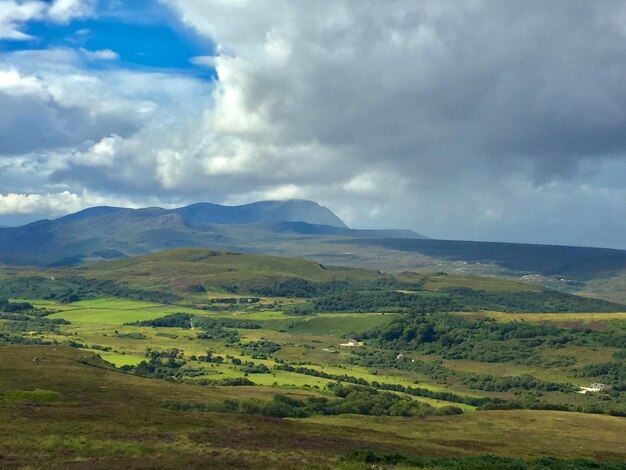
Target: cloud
{"type": "Point", "coordinates": [51, 203]}
{"type": "Point", "coordinates": [60, 203]}
{"type": "Point", "coordinates": [203, 60]}
{"type": "Point", "coordinates": [62, 11]}
{"type": "Point", "coordinates": [466, 112]}
{"type": "Point", "coordinates": [55, 136]}
{"type": "Point", "coordinates": [410, 80]}
{"type": "Point", "coordinates": [14, 14]}
{"type": "Point", "coordinates": [103, 54]}
{"type": "Point", "coordinates": [48, 113]}
{"type": "Point", "coordinates": [484, 120]}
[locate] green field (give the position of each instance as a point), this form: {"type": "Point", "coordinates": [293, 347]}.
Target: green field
{"type": "Point", "coordinates": [339, 324]}
{"type": "Point", "coordinates": [111, 311]}
{"type": "Point", "coordinates": [179, 269]}
{"type": "Point", "coordinates": [315, 341]}
{"type": "Point", "coordinates": [119, 360]}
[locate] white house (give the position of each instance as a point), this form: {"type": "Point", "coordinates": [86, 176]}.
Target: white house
{"type": "Point", "coordinates": [593, 388]}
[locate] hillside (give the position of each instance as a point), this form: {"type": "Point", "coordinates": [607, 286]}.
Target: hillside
{"type": "Point", "coordinates": [96, 417]}
{"type": "Point", "coordinates": [183, 269]}
{"type": "Point", "coordinates": [581, 263]}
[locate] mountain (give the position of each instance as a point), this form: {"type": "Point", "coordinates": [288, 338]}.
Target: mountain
{"type": "Point", "coordinates": [101, 233]}
{"type": "Point", "coordinates": [202, 214]}
{"type": "Point", "coordinates": [198, 215]}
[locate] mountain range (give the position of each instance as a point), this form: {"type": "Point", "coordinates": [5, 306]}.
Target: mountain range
{"type": "Point", "coordinates": [304, 229]}
{"type": "Point", "coordinates": [101, 233]}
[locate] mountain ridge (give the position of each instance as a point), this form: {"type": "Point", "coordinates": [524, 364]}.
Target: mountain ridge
{"type": "Point", "coordinates": [106, 232]}
{"type": "Point", "coordinates": [292, 210]}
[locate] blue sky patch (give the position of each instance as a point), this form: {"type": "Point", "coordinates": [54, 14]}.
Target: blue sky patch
{"type": "Point", "coordinates": [144, 34]}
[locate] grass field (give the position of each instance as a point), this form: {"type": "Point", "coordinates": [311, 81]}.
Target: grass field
{"type": "Point", "coordinates": [339, 324]}
{"type": "Point", "coordinates": [507, 369]}
{"type": "Point", "coordinates": [438, 281]}
{"type": "Point", "coordinates": [312, 340]}
{"type": "Point", "coordinates": [111, 311]}
{"type": "Point", "coordinates": [120, 359]}
{"type": "Point", "coordinates": [101, 316]}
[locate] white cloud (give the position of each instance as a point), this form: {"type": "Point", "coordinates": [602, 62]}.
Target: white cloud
{"type": "Point", "coordinates": [14, 14]}
{"type": "Point", "coordinates": [103, 54]}
{"type": "Point", "coordinates": [203, 60]}
{"type": "Point", "coordinates": [102, 153]}
{"type": "Point", "coordinates": [61, 203]}
{"type": "Point", "coordinates": [360, 184]}
{"type": "Point", "coordinates": [13, 203]}
{"type": "Point", "coordinates": [449, 118]}
{"type": "Point", "coordinates": [271, 193]}
{"type": "Point", "coordinates": [62, 11]}
{"type": "Point", "coordinates": [12, 82]}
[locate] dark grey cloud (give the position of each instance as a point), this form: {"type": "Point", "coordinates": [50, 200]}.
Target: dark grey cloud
{"type": "Point", "coordinates": [31, 123]}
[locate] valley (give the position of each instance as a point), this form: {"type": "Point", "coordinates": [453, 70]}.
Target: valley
{"type": "Point", "coordinates": [410, 367]}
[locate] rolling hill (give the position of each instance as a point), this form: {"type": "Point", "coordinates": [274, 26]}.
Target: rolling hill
{"type": "Point", "coordinates": [190, 274]}
{"type": "Point", "coordinates": [184, 269]}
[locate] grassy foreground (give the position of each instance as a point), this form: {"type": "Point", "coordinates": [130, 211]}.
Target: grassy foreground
{"type": "Point", "coordinates": [61, 407]}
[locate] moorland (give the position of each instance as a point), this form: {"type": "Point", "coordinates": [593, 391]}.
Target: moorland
{"type": "Point", "coordinates": [196, 357]}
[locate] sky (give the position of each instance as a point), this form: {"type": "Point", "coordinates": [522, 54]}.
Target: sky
{"type": "Point", "coordinates": [476, 120]}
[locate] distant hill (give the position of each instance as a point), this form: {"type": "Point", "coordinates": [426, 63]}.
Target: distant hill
{"type": "Point", "coordinates": [102, 233]}
{"type": "Point", "coordinates": [580, 263]}
{"type": "Point", "coordinates": [191, 273]}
